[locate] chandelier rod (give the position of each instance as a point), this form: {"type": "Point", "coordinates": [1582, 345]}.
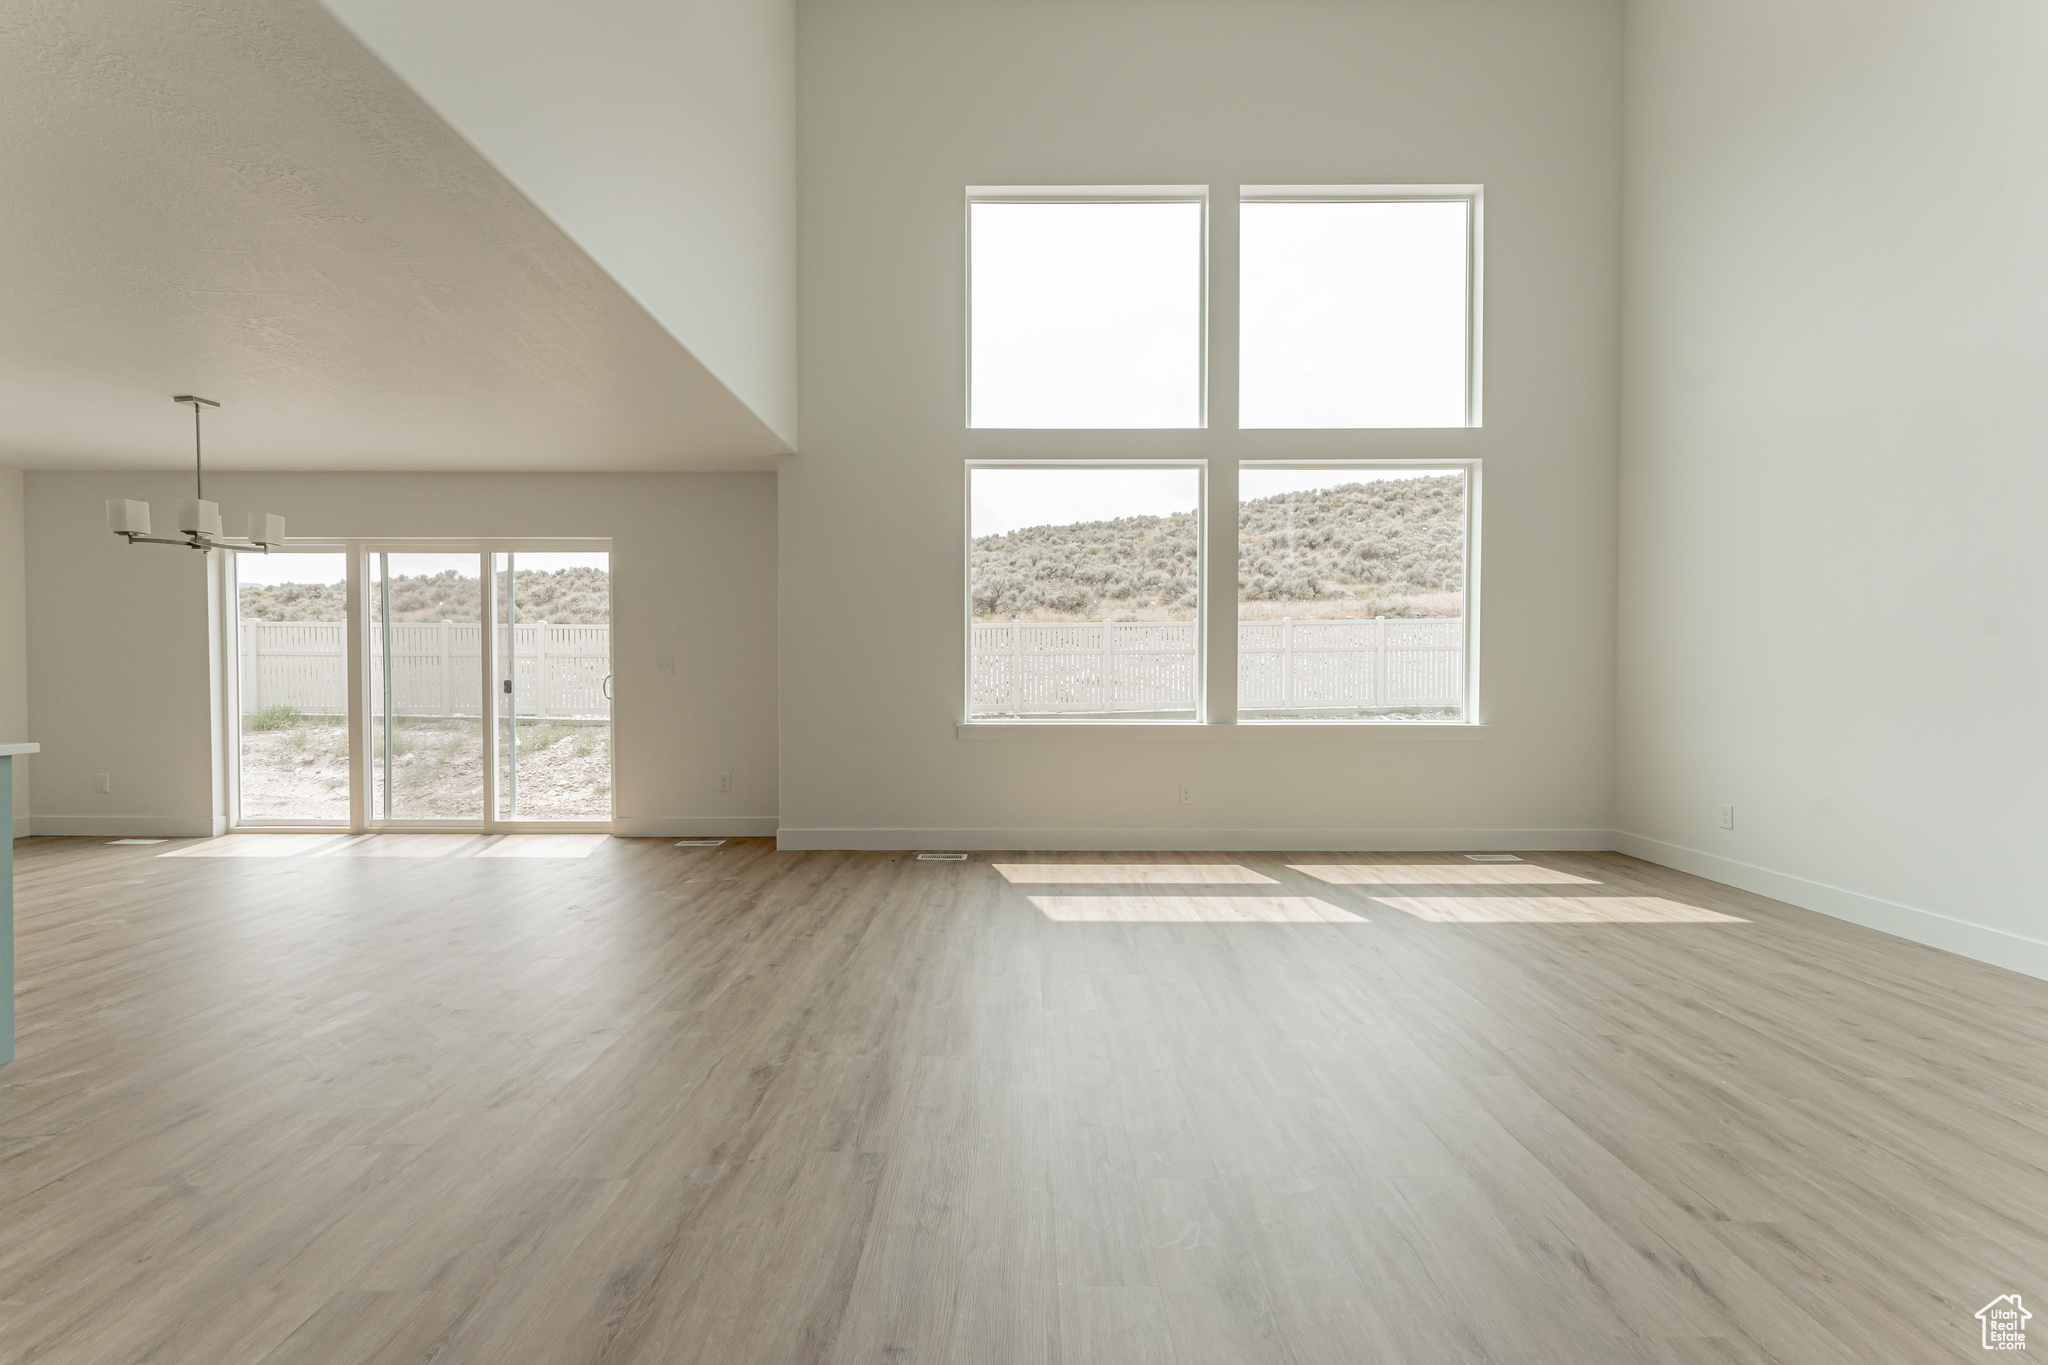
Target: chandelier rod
{"type": "Point", "coordinates": [198, 457]}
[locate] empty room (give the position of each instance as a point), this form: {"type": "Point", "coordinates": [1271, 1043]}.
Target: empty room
{"type": "Point", "coordinates": [1022, 682]}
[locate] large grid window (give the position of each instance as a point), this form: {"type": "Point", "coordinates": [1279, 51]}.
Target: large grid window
{"type": "Point", "coordinates": [1083, 591]}
{"type": "Point", "coordinates": [1356, 313]}
{"type": "Point", "coordinates": [1085, 314]}
{"type": "Point", "coordinates": [1089, 586]}
{"type": "Point", "coordinates": [1351, 592]}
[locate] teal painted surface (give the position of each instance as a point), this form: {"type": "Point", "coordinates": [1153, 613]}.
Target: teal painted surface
{"type": "Point", "coordinates": [7, 910]}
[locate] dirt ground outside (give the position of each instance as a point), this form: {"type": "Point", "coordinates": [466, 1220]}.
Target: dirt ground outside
{"type": "Point", "coordinates": [299, 770]}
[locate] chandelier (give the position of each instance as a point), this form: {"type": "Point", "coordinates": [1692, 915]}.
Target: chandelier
{"type": "Point", "coordinates": [198, 519]}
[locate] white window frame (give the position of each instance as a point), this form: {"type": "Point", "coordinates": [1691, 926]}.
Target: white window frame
{"type": "Point", "coordinates": [1086, 194]}
{"type": "Point", "coordinates": [1475, 255]}
{"type": "Point", "coordinates": [1203, 585]}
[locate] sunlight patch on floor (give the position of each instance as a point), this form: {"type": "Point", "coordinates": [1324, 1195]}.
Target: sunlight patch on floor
{"type": "Point", "coordinates": [543, 846]}
{"type": "Point", "coordinates": [401, 846]}
{"type": "Point", "coordinates": [1439, 874]}
{"type": "Point", "coordinates": [1554, 910]}
{"type": "Point", "coordinates": [342, 845]}
{"type": "Point", "coordinates": [254, 846]}
{"type": "Point", "coordinates": [1132, 874]}
{"type": "Point", "coordinates": [1192, 910]}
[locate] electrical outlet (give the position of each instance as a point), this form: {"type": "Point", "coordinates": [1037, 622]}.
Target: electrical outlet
{"type": "Point", "coordinates": [665, 664]}
{"type": "Point", "coordinates": [103, 783]}
{"type": "Point", "coordinates": [1727, 817]}
{"type": "Point", "coordinates": [1187, 793]}
{"type": "Point", "coordinates": [725, 782]}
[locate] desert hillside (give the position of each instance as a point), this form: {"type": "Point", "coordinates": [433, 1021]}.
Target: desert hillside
{"type": "Point", "coordinates": [1390, 547]}
{"type": "Point", "coordinates": [569, 597]}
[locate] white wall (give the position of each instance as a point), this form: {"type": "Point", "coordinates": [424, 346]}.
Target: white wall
{"type": "Point", "coordinates": [658, 133]}
{"type": "Point", "coordinates": [1834, 598]}
{"type": "Point", "coordinates": [117, 634]}
{"type": "Point", "coordinates": [906, 102]}
{"type": "Point", "coordinates": [14, 638]}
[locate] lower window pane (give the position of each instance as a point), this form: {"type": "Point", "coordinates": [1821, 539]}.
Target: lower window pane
{"type": "Point", "coordinates": [292, 643]}
{"type": "Point", "coordinates": [554, 685]}
{"type": "Point", "coordinates": [1351, 594]}
{"type": "Point", "coordinates": [1082, 592]}
{"type": "Point", "coordinates": [426, 710]}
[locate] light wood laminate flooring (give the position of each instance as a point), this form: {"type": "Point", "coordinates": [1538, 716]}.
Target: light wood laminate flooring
{"type": "Point", "coordinates": [729, 1105]}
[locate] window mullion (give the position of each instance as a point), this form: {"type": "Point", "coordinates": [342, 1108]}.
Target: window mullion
{"type": "Point", "coordinates": [357, 667]}
{"type": "Point", "coordinates": [1219, 558]}
{"type": "Point", "coordinates": [1219, 594]}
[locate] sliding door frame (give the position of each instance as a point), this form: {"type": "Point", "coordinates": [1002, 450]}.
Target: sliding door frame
{"type": "Point", "coordinates": [489, 549]}
{"type": "Point", "coordinates": [363, 818]}
{"type": "Point", "coordinates": [488, 659]}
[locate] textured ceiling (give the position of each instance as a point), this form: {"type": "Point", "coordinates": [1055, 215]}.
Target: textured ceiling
{"type": "Point", "coordinates": [234, 198]}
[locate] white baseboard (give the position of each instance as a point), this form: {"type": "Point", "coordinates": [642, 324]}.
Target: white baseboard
{"type": "Point", "coordinates": [129, 826]}
{"type": "Point", "coordinates": [1200, 840]}
{"type": "Point", "coordinates": [695, 827]}
{"type": "Point", "coordinates": [1995, 946]}
{"type": "Point", "coordinates": [22, 826]}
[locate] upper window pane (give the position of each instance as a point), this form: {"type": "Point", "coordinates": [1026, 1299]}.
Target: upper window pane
{"type": "Point", "coordinates": [1354, 314]}
{"type": "Point", "coordinates": [1085, 315]}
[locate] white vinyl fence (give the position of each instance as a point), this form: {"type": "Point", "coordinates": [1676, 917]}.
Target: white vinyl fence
{"type": "Point", "coordinates": [1028, 668]}
{"type": "Point", "coordinates": [1020, 668]}
{"type": "Point", "coordinates": [559, 672]}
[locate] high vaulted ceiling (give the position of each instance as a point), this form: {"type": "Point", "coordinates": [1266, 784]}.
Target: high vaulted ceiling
{"type": "Point", "coordinates": [235, 198]}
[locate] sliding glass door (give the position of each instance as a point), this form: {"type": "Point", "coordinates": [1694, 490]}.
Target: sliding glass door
{"type": "Point", "coordinates": [454, 685]}
{"type": "Point", "coordinates": [553, 684]}
{"type": "Point", "coordinates": [291, 745]}
{"type": "Point", "coordinates": [426, 703]}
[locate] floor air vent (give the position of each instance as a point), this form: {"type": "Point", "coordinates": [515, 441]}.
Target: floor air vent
{"type": "Point", "coordinates": [1493, 857]}
{"type": "Point", "coordinates": [698, 843]}
{"type": "Point", "coordinates": [942, 857]}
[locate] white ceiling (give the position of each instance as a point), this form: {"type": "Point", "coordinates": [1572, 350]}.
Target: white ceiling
{"type": "Point", "coordinates": [234, 198]}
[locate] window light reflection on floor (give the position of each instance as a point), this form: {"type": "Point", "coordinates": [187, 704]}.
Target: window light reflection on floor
{"type": "Point", "coordinates": [1439, 874]}
{"type": "Point", "coordinates": [402, 846]}
{"type": "Point", "coordinates": [1132, 874]}
{"type": "Point", "coordinates": [543, 846]}
{"type": "Point", "coordinates": [343, 845]}
{"type": "Point", "coordinates": [1193, 910]}
{"type": "Point", "coordinates": [1554, 910]}
{"type": "Point", "coordinates": [254, 846]}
